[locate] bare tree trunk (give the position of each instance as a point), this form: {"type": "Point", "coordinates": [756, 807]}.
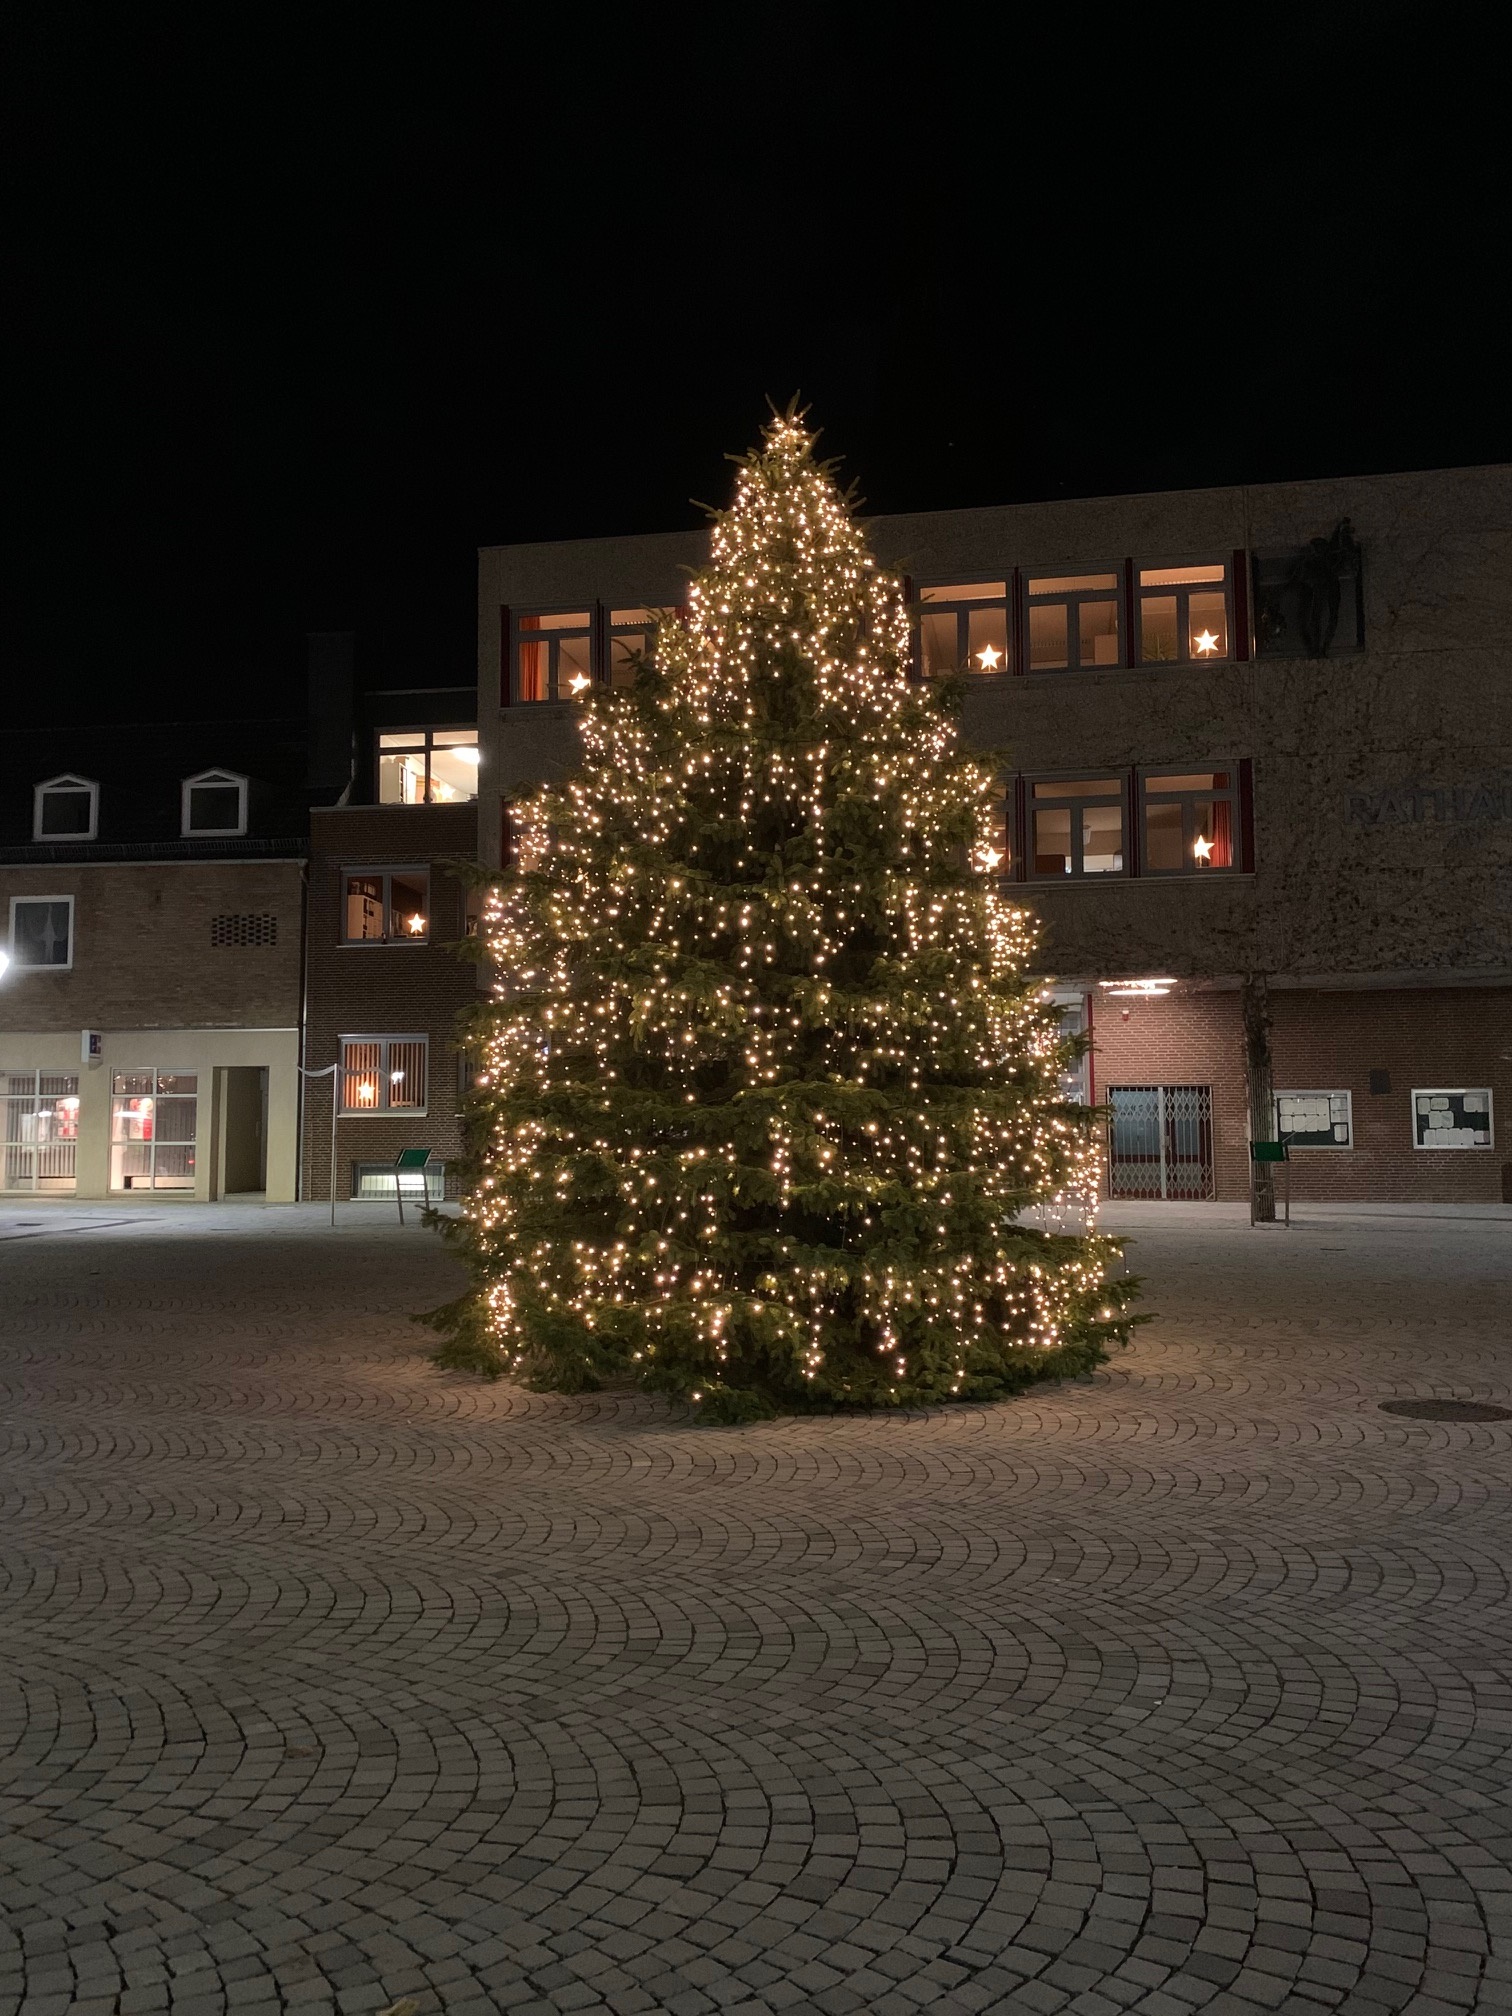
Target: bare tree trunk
{"type": "Point", "coordinates": [1255, 1001]}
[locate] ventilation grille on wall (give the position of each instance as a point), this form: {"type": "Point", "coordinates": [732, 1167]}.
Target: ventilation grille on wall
{"type": "Point", "coordinates": [244, 927]}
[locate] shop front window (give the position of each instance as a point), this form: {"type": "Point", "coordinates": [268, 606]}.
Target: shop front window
{"type": "Point", "coordinates": [40, 1130]}
{"type": "Point", "coordinates": [153, 1124]}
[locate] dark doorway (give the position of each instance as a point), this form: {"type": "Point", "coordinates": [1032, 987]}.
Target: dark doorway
{"type": "Point", "coordinates": [244, 1131]}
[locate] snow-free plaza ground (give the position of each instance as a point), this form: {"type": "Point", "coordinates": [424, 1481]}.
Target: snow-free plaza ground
{"type": "Point", "coordinates": [328, 1680]}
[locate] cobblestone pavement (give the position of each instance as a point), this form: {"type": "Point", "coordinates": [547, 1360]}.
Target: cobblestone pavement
{"type": "Point", "coordinates": [331, 1681]}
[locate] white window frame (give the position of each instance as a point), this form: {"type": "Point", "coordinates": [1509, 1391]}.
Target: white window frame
{"type": "Point", "coordinates": [20, 965]}
{"type": "Point", "coordinates": [1454, 1092]}
{"type": "Point", "coordinates": [16, 1150]}
{"type": "Point", "coordinates": [218, 777]}
{"type": "Point", "coordinates": [66, 783]}
{"type": "Point", "coordinates": [157, 1073]}
{"type": "Point", "coordinates": [1321, 1147]}
{"type": "Point", "coordinates": [383, 1110]}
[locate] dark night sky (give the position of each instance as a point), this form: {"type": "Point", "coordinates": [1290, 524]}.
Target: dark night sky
{"type": "Point", "coordinates": [313, 303]}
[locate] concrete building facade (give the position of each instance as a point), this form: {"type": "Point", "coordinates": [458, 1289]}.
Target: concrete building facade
{"type": "Point", "coordinates": [1259, 796]}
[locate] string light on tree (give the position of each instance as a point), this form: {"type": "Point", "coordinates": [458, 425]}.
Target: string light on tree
{"type": "Point", "coordinates": [766, 1086]}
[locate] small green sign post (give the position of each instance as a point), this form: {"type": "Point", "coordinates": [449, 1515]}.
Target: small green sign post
{"type": "Point", "coordinates": [410, 1161]}
{"type": "Point", "coordinates": [1270, 1151]}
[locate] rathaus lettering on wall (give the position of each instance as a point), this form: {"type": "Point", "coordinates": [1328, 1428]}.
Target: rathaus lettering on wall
{"type": "Point", "coordinates": [1403, 804]}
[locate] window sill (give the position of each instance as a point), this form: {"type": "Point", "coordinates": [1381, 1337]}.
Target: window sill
{"type": "Point", "coordinates": [383, 1113]}
{"type": "Point", "coordinates": [383, 944]}
{"type": "Point", "coordinates": [1155, 665]}
{"type": "Point", "coordinates": [1008, 884]}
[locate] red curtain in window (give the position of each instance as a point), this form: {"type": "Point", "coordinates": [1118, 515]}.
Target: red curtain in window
{"type": "Point", "coordinates": [1223, 834]}
{"type": "Point", "coordinates": [532, 661]}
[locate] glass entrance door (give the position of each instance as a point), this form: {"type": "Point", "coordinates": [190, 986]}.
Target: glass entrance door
{"type": "Point", "coordinates": [1160, 1141]}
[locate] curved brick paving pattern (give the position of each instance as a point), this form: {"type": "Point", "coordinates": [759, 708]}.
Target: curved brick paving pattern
{"type": "Point", "coordinates": [331, 1681]}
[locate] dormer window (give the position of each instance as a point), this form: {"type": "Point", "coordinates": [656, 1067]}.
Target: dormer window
{"type": "Point", "coordinates": [214, 806]}
{"type": "Point", "coordinates": [66, 808]}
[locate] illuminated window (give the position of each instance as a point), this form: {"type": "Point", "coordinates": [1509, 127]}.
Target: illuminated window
{"type": "Point", "coordinates": [153, 1124]}
{"type": "Point", "coordinates": [1076, 826]}
{"type": "Point", "coordinates": [1073, 621]}
{"type": "Point", "coordinates": [385, 906]}
{"type": "Point", "coordinates": [1190, 822]}
{"type": "Point", "coordinates": [963, 626]}
{"type": "Point", "coordinates": [1183, 614]}
{"type": "Point", "coordinates": [384, 1074]}
{"type": "Point", "coordinates": [428, 766]}
{"type": "Point", "coordinates": [632, 633]}
{"type": "Point", "coordinates": [551, 655]}
{"type": "Point", "coordinates": [377, 1180]}
{"type": "Point", "coordinates": [214, 805]}
{"type": "Point", "coordinates": [41, 933]}
{"type": "Point", "coordinates": [39, 1127]}
{"type": "Point", "coordinates": [65, 808]}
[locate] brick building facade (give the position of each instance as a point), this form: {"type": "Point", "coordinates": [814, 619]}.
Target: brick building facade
{"type": "Point", "coordinates": [149, 1015]}
{"type": "Point", "coordinates": [403, 989]}
{"type": "Point", "coordinates": [194, 935]}
{"type": "Point", "coordinates": [1259, 796]}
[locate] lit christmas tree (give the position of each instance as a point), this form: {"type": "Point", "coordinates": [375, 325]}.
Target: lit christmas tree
{"type": "Point", "coordinates": [766, 1085]}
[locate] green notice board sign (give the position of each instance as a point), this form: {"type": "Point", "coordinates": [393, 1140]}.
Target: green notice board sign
{"type": "Point", "coordinates": [413, 1158]}
{"type": "Point", "coordinates": [1268, 1151]}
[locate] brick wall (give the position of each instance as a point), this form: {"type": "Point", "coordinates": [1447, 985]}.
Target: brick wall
{"type": "Point", "coordinates": [1422, 1037]}
{"type": "Point", "coordinates": [1330, 1042]}
{"type": "Point", "coordinates": [144, 950]}
{"type": "Point", "coordinates": [1181, 1039]}
{"type": "Point", "coordinates": [385, 990]}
